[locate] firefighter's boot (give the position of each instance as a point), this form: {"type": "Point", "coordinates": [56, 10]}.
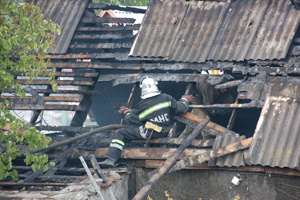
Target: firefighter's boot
{"type": "Point", "coordinates": [107, 163]}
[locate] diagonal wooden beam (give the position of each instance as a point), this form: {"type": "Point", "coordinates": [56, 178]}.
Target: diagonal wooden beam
{"type": "Point", "coordinates": [203, 157]}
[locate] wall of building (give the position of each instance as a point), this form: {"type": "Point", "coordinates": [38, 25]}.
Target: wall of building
{"type": "Point", "coordinates": [217, 185]}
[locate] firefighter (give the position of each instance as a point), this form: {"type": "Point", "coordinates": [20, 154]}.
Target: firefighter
{"type": "Point", "coordinates": [154, 112]}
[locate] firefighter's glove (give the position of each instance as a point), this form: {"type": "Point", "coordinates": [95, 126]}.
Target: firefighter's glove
{"type": "Point", "coordinates": [124, 110]}
{"type": "Point", "coordinates": [189, 98]}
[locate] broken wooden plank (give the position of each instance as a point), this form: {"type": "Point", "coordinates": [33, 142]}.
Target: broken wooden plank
{"type": "Point", "coordinates": [170, 161]}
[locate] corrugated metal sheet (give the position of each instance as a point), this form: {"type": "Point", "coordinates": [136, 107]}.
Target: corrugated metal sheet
{"type": "Point", "coordinates": [232, 160]}
{"type": "Point", "coordinates": [66, 14]}
{"type": "Point", "coordinates": [276, 141]}
{"type": "Point", "coordinates": [207, 30]}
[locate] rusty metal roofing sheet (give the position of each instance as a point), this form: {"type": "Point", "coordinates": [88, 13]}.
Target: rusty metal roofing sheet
{"type": "Point", "coordinates": [66, 14]}
{"type": "Point", "coordinates": [276, 141]}
{"type": "Point", "coordinates": [235, 159]}
{"type": "Point", "coordinates": [210, 30]}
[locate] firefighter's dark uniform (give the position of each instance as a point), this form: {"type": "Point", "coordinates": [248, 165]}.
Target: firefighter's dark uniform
{"type": "Point", "coordinates": [159, 110]}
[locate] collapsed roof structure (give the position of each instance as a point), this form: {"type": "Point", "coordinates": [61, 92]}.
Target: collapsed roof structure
{"type": "Point", "coordinates": [98, 65]}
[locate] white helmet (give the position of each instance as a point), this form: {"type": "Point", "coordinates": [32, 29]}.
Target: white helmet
{"type": "Point", "coordinates": [149, 87]}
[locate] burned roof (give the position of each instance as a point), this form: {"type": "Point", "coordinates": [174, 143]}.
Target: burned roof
{"type": "Point", "coordinates": [198, 31]}
{"type": "Point", "coordinates": [66, 14]}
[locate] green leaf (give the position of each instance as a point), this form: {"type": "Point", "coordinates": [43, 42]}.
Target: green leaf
{"type": "Point", "coordinates": [14, 174]}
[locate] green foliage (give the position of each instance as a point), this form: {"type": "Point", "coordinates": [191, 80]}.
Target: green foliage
{"type": "Point", "coordinates": [25, 37]}
{"type": "Point", "coordinates": [124, 2]}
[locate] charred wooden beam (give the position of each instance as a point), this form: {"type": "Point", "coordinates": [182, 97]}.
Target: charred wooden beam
{"type": "Point", "coordinates": [101, 20]}
{"type": "Point", "coordinates": [132, 78]}
{"type": "Point", "coordinates": [229, 84]}
{"type": "Point", "coordinates": [102, 36]}
{"type": "Point", "coordinates": [170, 161]}
{"type": "Point", "coordinates": [80, 116]}
{"type": "Point", "coordinates": [69, 91]}
{"type": "Point", "coordinates": [61, 159]}
{"type": "Point", "coordinates": [128, 27]}
{"type": "Point", "coordinates": [36, 184]}
{"type": "Point", "coordinates": [201, 158]}
{"type": "Point", "coordinates": [122, 57]}
{"type": "Point", "coordinates": [32, 100]}
{"type": "Point", "coordinates": [59, 82]}
{"type": "Point", "coordinates": [143, 153]}
{"type": "Point", "coordinates": [67, 129]}
{"type": "Point", "coordinates": [126, 45]}
{"type": "Point", "coordinates": [51, 178]}
{"type": "Point", "coordinates": [210, 125]}
{"type": "Point", "coordinates": [81, 137]}
{"type": "Point", "coordinates": [115, 7]}
{"type": "Point", "coordinates": [46, 107]}
{"type": "Point", "coordinates": [266, 69]}
{"type": "Point", "coordinates": [135, 66]}
{"type": "Point", "coordinates": [62, 170]}
{"type": "Point", "coordinates": [69, 56]}
{"type": "Point", "coordinates": [177, 141]}
{"type": "Point", "coordinates": [65, 74]}
{"type": "Point", "coordinates": [252, 104]}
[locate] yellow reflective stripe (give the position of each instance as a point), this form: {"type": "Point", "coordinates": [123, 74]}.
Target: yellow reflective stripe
{"type": "Point", "coordinates": [155, 108]}
{"type": "Point", "coordinates": [119, 142]}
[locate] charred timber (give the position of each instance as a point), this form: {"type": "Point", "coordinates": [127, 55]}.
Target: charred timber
{"type": "Point", "coordinates": [99, 37]}
{"type": "Point", "coordinates": [67, 129]}
{"type": "Point", "coordinates": [201, 158]}
{"type": "Point", "coordinates": [36, 184]}
{"type": "Point", "coordinates": [89, 20]}
{"type": "Point", "coordinates": [102, 46]}
{"type": "Point", "coordinates": [69, 56]}
{"type": "Point", "coordinates": [66, 74]}
{"type": "Point", "coordinates": [59, 82]}
{"type": "Point", "coordinates": [28, 100]}
{"type": "Point", "coordinates": [210, 125]}
{"type": "Point", "coordinates": [252, 104]}
{"type": "Point", "coordinates": [95, 65]}
{"type": "Point", "coordinates": [115, 7]}
{"type": "Point", "coordinates": [81, 137]}
{"type": "Point", "coordinates": [132, 78]}
{"type": "Point", "coordinates": [46, 107]}
{"type": "Point", "coordinates": [143, 153]}
{"type": "Point", "coordinates": [229, 84]}
{"type": "Point", "coordinates": [177, 141]}
{"type": "Point", "coordinates": [71, 91]}
{"type": "Point", "coordinates": [129, 27]}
